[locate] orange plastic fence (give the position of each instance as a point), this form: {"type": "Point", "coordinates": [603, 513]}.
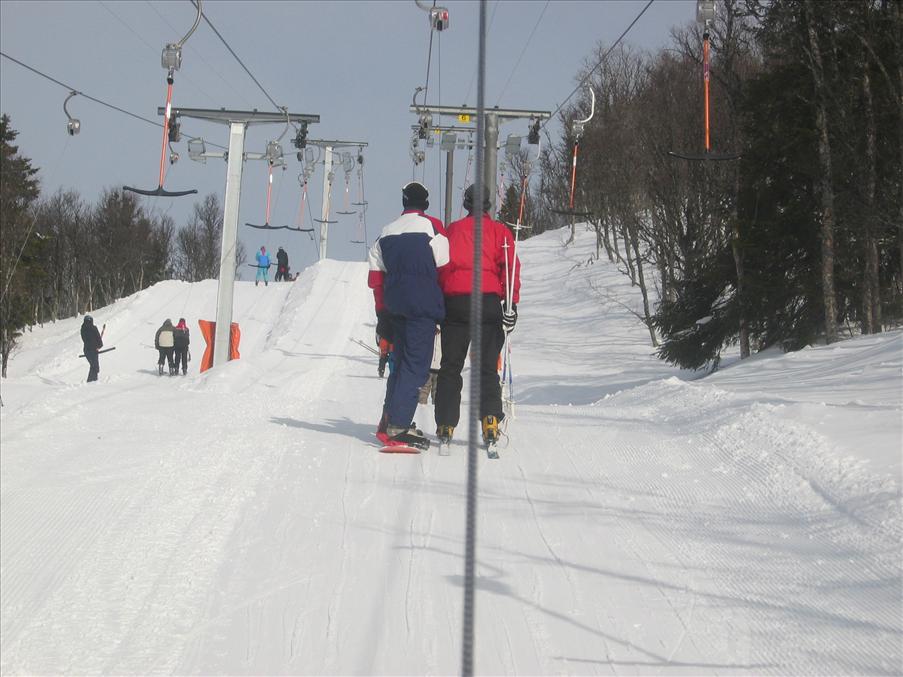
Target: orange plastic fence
{"type": "Point", "coordinates": [208, 330]}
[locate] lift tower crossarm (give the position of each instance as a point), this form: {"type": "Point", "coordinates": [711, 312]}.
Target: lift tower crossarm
{"type": "Point", "coordinates": [238, 121]}
{"type": "Point", "coordinates": [244, 116]}
{"type": "Point", "coordinates": [493, 117]}
{"type": "Point", "coordinates": [501, 113]}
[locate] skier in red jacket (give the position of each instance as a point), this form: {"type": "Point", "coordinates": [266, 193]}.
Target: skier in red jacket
{"type": "Point", "coordinates": [455, 280]}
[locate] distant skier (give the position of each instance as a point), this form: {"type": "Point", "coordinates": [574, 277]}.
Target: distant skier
{"type": "Point", "coordinates": [403, 275]}
{"type": "Point", "coordinates": [164, 342]}
{"type": "Point", "coordinates": [92, 342]}
{"type": "Point", "coordinates": [181, 341]}
{"type": "Point", "coordinates": [281, 266]}
{"type": "Point", "coordinates": [263, 267]}
{"type": "Point", "coordinates": [455, 279]}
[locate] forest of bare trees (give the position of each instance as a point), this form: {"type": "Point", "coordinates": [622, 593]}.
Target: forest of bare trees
{"type": "Point", "coordinates": [796, 241]}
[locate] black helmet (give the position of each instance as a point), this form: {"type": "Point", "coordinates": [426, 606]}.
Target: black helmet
{"type": "Point", "coordinates": [414, 195]}
{"type": "Point", "coordinates": [469, 198]}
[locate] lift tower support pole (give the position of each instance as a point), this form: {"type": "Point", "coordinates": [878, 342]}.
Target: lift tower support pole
{"type": "Point", "coordinates": [238, 122]}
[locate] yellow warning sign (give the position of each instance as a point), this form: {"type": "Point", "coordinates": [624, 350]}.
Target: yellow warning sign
{"type": "Point", "coordinates": [464, 117]}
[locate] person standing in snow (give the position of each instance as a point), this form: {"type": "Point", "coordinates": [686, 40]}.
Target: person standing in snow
{"type": "Point", "coordinates": [91, 343]}
{"type": "Point", "coordinates": [404, 263]}
{"type": "Point", "coordinates": [281, 266]}
{"type": "Point", "coordinates": [181, 341]}
{"type": "Point", "coordinates": [455, 279]}
{"type": "Point", "coordinates": [164, 342]}
{"type": "Point", "coordinates": [263, 267]}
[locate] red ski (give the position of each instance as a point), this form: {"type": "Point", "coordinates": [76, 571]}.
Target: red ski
{"type": "Point", "coordinates": [399, 449]}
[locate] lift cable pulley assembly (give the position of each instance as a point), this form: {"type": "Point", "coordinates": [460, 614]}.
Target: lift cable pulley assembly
{"type": "Point", "coordinates": [171, 60]}
{"type": "Point", "coordinates": [438, 15]}
{"type": "Point", "coordinates": [705, 14]}
{"type": "Point", "coordinates": [73, 126]}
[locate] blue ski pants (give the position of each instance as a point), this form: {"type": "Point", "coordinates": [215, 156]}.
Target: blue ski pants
{"type": "Point", "coordinates": [413, 352]}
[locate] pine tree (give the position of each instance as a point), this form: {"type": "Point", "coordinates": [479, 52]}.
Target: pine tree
{"type": "Point", "coordinates": [19, 249]}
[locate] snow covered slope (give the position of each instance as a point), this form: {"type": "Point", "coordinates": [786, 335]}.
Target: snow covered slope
{"type": "Point", "coordinates": [641, 519]}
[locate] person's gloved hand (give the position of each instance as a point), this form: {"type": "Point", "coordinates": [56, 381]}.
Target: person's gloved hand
{"type": "Point", "coordinates": [384, 325]}
{"type": "Point", "coordinates": [509, 318]}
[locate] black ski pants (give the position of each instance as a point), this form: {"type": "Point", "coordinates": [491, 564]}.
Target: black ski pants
{"type": "Point", "coordinates": [93, 364]}
{"type": "Point", "coordinates": [165, 354]}
{"type": "Point", "coordinates": [455, 344]}
{"type": "Point", "coordinates": [180, 355]}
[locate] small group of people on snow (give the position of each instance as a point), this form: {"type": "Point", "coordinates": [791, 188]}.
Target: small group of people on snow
{"type": "Point", "coordinates": [421, 276]}
{"type": "Point", "coordinates": [172, 344]}
{"type": "Point", "coordinates": [263, 267]}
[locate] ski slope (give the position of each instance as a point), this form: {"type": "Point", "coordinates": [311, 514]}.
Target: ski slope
{"type": "Point", "coordinates": [641, 520]}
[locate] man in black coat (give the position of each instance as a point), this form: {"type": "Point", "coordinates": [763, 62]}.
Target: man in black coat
{"type": "Point", "coordinates": [281, 265]}
{"type": "Point", "coordinates": [92, 343]}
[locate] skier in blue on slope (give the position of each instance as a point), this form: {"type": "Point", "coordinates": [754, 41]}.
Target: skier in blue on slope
{"type": "Point", "coordinates": [404, 264]}
{"type": "Point", "coordinates": [263, 267]}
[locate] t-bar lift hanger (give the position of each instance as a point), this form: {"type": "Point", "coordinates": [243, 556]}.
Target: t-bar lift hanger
{"type": "Point", "coordinates": [705, 14]}
{"type": "Point", "coordinates": [171, 60]}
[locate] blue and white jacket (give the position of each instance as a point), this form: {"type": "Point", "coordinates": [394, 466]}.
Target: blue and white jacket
{"type": "Point", "coordinates": [403, 266]}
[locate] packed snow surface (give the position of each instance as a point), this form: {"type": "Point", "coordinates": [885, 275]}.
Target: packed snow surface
{"type": "Point", "coordinates": [640, 520]}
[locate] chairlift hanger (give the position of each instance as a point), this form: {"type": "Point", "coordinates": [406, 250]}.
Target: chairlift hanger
{"type": "Point", "coordinates": [705, 14]}
{"type": "Point", "coordinates": [348, 167]}
{"type": "Point", "coordinates": [360, 177]}
{"type": "Point", "coordinates": [303, 178]}
{"type": "Point", "coordinates": [329, 178]}
{"type": "Point", "coordinates": [171, 60]}
{"type": "Point", "coordinates": [362, 203]}
{"type": "Point", "coordinates": [73, 126]}
{"type": "Point", "coordinates": [578, 132]}
{"type": "Point", "coordinates": [273, 160]}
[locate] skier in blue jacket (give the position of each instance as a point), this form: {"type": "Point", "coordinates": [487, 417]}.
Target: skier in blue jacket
{"type": "Point", "coordinates": [263, 267]}
{"type": "Point", "coordinates": [404, 264]}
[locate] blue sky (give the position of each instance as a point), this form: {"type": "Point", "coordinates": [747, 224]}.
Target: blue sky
{"type": "Point", "coordinates": [356, 64]}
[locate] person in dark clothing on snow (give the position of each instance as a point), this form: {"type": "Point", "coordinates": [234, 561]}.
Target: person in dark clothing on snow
{"type": "Point", "coordinates": [282, 266]}
{"type": "Point", "coordinates": [180, 343]}
{"type": "Point", "coordinates": [91, 342]}
{"type": "Point", "coordinates": [164, 341]}
{"type": "Point", "coordinates": [456, 279]}
{"type": "Point", "coordinates": [404, 278]}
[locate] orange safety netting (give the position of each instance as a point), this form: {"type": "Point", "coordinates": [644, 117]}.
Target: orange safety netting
{"type": "Point", "coordinates": [208, 330]}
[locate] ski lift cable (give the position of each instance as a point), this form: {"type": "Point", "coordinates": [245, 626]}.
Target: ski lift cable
{"type": "Point", "coordinates": [523, 51]}
{"type": "Point", "coordinates": [237, 58]}
{"type": "Point", "coordinates": [600, 62]}
{"type": "Point", "coordinates": [200, 55]}
{"type": "Point", "coordinates": [151, 47]}
{"type": "Point", "coordinates": [88, 96]}
{"type": "Point", "coordinates": [474, 74]}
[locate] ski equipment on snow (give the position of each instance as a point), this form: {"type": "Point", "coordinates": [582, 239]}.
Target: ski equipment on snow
{"type": "Point", "coordinates": [105, 350]}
